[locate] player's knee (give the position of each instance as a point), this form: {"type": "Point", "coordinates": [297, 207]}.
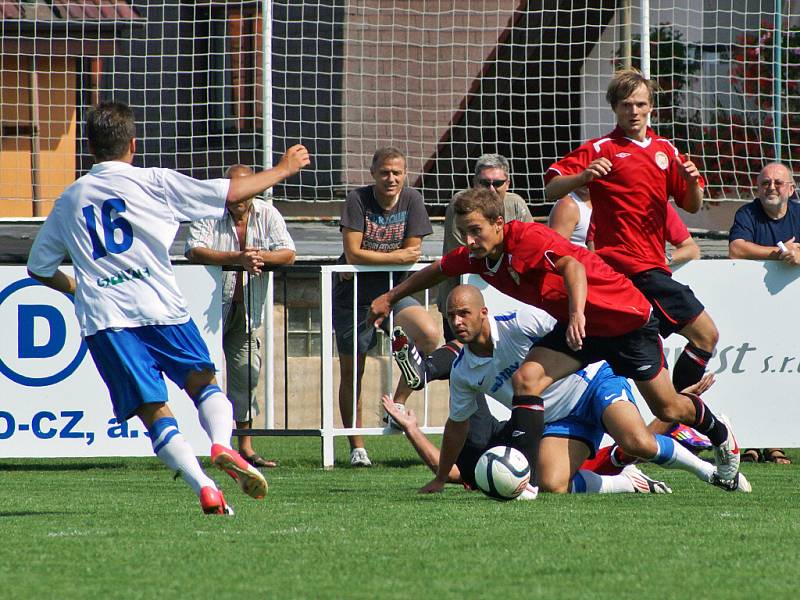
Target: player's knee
{"type": "Point", "coordinates": [528, 381]}
{"type": "Point", "coordinates": [640, 443]}
{"type": "Point", "coordinates": [670, 413]}
{"type": "Point", "coordinates": [553, 483]}
{"type": "Point", "coordinates": [196, 381]}
{"type": "Point", "coordinates": [429, 337]}
{"type": "Point", "coordinates": [704, 335]}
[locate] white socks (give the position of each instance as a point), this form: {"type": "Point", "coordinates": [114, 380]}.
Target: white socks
{"type": "Point", "coordinates": [216, 415]}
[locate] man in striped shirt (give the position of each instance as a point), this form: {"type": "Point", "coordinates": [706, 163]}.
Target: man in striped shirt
{"type": "Point", "coordinates": [253, 236]}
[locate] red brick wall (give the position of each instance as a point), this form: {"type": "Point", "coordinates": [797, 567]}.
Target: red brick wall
{"type": "Point", "coordinates": [407, 72]}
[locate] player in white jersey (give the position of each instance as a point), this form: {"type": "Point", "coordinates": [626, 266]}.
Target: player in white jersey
{"type": "Point", "coordinates": [577, 410]}
{"type": "Point", "coordinates": [116, 224]}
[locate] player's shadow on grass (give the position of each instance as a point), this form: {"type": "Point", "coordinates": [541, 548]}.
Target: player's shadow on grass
{"type": "Point", "coordinates": [83, 466]}
{"type": "Point", "coordinates": [30, 513]}
{"type": "Point", "coordinates": [401, 463]}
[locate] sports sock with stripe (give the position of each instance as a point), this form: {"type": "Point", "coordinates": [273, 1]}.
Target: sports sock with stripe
{"type": "Point", "coordinates": [690, 366]}
{"type": "Point", "coordinates": [672, 455]}
{"type": "Point", "coordinates": [705, 421]}
{"type": "Point", "coordinates": [587, 482]}
{"type": "Point", "coordinates": [216, 414]}
{"type": "Point", "coordinates": [175, 452]}
{"type": "Point", "coordinates": [527, 425]}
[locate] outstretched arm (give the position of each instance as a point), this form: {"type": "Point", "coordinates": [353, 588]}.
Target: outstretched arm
{"type": "Point", "coordinates": [574, 276]}
{"type": "Point", "coordinates": [427, 451]}
{"type": "Point", "coordinates": [248, 186]}
{"type": "Point", "coordinates": [455, 435]}
{"type": "Point", "coordinates": [421, 280]}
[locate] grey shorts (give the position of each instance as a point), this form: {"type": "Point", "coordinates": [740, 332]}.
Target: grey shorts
{"type": "Point", "coordinates": [242, 364]}
{"type": "Point", "coordinates": [367, 336]}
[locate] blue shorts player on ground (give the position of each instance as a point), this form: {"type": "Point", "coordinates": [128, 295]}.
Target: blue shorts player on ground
{"type": "Point", "coordinates": [116, 224]}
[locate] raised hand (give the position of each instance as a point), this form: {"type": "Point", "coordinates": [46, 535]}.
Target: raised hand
{"type": "Point", "coordinates": [599, 167]}
{"type": "Point", "coordinates": [295, 158]}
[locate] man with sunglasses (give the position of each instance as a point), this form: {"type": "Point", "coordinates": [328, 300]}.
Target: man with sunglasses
{"type": "Point", "coordinates": [492, 171]}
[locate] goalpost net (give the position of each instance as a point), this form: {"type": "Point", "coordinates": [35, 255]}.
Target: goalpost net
{"type": "Point", "coordinates": [220, 82]}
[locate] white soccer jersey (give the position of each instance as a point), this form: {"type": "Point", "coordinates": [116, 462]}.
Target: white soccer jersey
{"type": "Point", "coordinates": [513, 334]}
{"type": "Point", "coordinates": [117, 223]}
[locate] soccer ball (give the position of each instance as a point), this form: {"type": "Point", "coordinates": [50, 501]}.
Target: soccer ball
{"type": "Point", "coordinates": [502, 473]}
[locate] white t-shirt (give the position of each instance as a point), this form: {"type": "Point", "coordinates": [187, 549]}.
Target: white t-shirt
{"type": "Point", "coordinates": [117, 223]}
{"type": "Point", "coordinates": [581, 230]}
{"type": "Point", "coordinates": [513, 334]}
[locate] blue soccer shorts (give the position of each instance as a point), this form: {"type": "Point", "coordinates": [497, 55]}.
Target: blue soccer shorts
{"type": "Point", "coordinates": [585, 422]}
{"type": "Point", "coordinates": [132, 360]}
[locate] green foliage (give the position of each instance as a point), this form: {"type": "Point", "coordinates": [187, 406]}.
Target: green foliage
{"type": "Point", "coordinates": [743, 138]}
{"type": "Point", "coordinates": [122, 528]}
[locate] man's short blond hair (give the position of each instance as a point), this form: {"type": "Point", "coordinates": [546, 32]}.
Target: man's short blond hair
{"type": "Point", "coordinates": [625, 82]}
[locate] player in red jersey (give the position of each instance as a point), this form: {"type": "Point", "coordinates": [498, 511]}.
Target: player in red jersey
{"type": "Point", "coordinates": [631, 173]}
{"type": "Point", "coordinates": [600, 316]}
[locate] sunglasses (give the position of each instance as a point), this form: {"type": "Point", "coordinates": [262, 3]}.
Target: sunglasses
{"type": "Point", "coordinates": [495, 183]}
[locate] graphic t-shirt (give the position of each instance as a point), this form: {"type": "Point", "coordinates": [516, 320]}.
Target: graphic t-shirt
{"type": "Point", "coordinates": [384, 231]}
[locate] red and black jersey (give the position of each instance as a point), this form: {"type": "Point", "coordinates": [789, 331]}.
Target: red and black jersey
{"type": "Point", "coordinates": [527, 272]}
{"type": "Point", "coordinates": [629, 205]}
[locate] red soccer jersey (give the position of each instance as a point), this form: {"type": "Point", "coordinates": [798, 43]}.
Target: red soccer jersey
{"type": "Point", "coordinates": [629, 205]}
{"type": "Point", "coordinates": [526, 272]}
{"type": "Point", "coordinates": [676, 231]}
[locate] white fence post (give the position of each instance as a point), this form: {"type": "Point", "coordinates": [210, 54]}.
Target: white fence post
{"type": "Point", "coordinates": [326, 316]}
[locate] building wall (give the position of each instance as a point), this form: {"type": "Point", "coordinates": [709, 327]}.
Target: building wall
{"type": "Point", "coordinates": [56, 80]}
{"type": "Point", "coordinates": [394, 73]}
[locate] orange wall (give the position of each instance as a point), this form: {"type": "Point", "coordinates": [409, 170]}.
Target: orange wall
{"type": "Point", "coordinates": [57, 130]}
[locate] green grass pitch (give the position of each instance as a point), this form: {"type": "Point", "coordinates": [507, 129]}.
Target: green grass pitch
{"type": "Point", "coordinates": [122, 528]}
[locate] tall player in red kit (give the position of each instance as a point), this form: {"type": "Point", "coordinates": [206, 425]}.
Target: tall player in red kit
{"type": "Point", "coordinates": [631, 173]}
{"type": "Point", "coordinates": [600, 316]}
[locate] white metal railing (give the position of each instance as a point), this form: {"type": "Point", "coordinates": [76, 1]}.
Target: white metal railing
{"type": "Point", "coordinates": [329, 431]}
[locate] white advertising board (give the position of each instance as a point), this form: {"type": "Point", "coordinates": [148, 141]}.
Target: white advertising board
{"type": "Point", "coordinates": [53, 403]}
{"type": "Point", "coordinates": [757, 362]}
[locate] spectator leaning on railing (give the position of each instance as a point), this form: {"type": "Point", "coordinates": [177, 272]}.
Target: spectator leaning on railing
{"type": "Point", "coordinates": [252, 235]}
{"type": "Point", "coordinates": [768, 229]}
{"type": "Point", "coordinates": [382, 224]}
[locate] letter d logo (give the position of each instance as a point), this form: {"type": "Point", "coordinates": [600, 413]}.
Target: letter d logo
{"type": "Point", "coordinates": [48, 347]}
{"type": "Point", "coordinates": [29, 316]}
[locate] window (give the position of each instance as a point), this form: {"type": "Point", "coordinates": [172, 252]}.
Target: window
{"type": "Point", "coordinates": [303, 331]}
{"type": "Point", "coordinates": [304, 338]}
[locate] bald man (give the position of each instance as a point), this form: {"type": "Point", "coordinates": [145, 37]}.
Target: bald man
{"type": "Point", "coordinates": [253, 236]}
